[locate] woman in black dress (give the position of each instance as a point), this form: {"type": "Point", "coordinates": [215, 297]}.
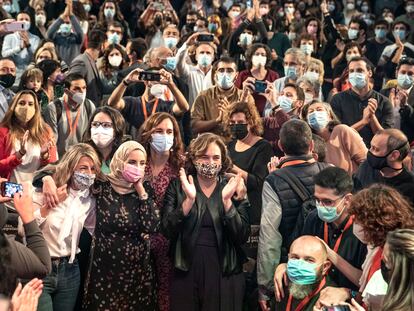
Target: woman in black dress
{"type": "Point", "coordinates": [207, 220]}
{"type": "Point", "coordinates": [121, 275]}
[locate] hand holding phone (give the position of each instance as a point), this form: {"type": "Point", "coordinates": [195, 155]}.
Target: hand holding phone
{"type": "Point", "coordinates": [14, 26]}
{"type": "Point", "coordinates": [149, 76]}
{"type": "Point", "coordinates": [9, 189]}
{"type": "Point", "coordinates": [205, 37]}
{"type": "Point", "coordinates": [260, 86]}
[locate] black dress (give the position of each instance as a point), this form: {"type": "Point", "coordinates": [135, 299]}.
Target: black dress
{"type": "Point", "coordinates": [204, 287]}
{"type": "Point", "coordinates": [121, 273]}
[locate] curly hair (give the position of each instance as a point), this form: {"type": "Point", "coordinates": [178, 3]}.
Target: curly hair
{"type": "Point", "coordinates": [105, 67]}
{"type": "Point", "coordinates": [147, 129]}
{"type": "Point", "coordinates": [198, 147]}
{"type": "Point", "coordinates": [380, 209]}
{"type": "Point", "coordinates": [252, 116]}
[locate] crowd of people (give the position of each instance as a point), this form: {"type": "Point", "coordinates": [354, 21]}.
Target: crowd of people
{"type": "Point", "coordinates": [206, 155]}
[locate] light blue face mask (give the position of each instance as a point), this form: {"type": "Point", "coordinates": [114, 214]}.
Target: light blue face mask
{"type": "Point", "coordinates": [301, 272]}
{"type": "Point", "coordinates": [285, 103]}
{"type": "Point", "coordinates": [380, 33]}
{"type": "Point", "coordinates": [87, 7]}
{"type": "Point", "coordinates": [404, 81]}
{"type": "Point", "coordinates": [170, 42]}
{"type": "Point", "coordinates": [161, 142]}
{"type": "Point", "coordinates": [171, 63]}
{"type": "Point", "coordinates": [7, 7]}
{"type": "Point", "coordinates": [318, 120]}
{"type": "Point", "coordinates": [212, 27]}
{"type": "Point", "coordinates": [399, 33]}
{"type": "Point", "coordinates": [352, 34]}
{"type": "Point", "coordinates": [65, 29]}
{"type": "Point", "coordinates": [290, 72]}
{"type": "Point", "coordinates": [328, 213]}
{"type": "Point", "coordinates": [357, 80]}
{"type": "Point", "coordinates": [109, 13]}
{"type": "Point", "coordinates": [224, 80]}
{"type": "Point", "coordinates": [114, 38]}
{"type": "Point", "coordinates": [204, 60]}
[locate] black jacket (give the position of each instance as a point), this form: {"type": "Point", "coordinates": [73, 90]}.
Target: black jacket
{"type": "Point", "coordinates": [232, 229]}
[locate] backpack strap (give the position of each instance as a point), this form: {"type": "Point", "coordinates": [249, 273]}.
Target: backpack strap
{"type": "Point", "coordinates": [294, 183]}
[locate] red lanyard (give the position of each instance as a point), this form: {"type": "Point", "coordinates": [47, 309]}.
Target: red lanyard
{"type": "Point", "coordinates": [74, 125]}
{"type": "Point", "coordinates": [295, 162]}
{"type": "Point", "coordinates": [144, 107]}
{"type": "Point", "coordinates": [305, 301]}
{"type": "Point", "coordinates": [338, 242]}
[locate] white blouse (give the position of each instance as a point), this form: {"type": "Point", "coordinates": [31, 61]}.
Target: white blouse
{"type": "Point", "coordinates": [64, 223]}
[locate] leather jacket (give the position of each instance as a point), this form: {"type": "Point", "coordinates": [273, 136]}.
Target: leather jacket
{"type": "Point", "coordinates": [232, 228]}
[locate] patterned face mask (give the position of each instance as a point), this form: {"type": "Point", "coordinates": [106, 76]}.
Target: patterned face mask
{"type": "Point", "coordinates": [207, 170]}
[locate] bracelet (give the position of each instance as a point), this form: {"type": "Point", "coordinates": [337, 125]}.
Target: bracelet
{"type": "Point", "coordinates": [125, 83]}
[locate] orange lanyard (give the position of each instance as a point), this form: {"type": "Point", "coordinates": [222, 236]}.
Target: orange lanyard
{"type": "Point", "coordinates": [74, 125]}
{"type": "Point", "coordinates": [338, 242]}
{"type": "Point", "coordinates": [144, 107]}
{"type": "Point", "coordinates": [305, 301]}
{"type": "Point", "coordinates": [295, 162]}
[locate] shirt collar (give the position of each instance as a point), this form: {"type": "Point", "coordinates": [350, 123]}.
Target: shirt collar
{"type": "Point", "coordinates": [368, 95]}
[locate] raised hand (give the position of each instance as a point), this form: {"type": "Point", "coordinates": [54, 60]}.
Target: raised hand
{"type": "Point", "coordinates": [133, 76]}
{"type": "Point", "coordinates": [187, 184]}
{"type": "Point", "coordinates": [23, 142]}
{"type": "Point", "coordinates": [166, 77]}
{"type": "Point", "coordinates": [26, 298]}
{"type": "Point", "coordinates": [24, 204]}
{"type": "Point", "coordinates": [273, 164]}
{"type": "Point", "coordinates": [271, 94]}
{"type": "Point", "coordinates": [248, 84]}
{"type": "Point", "coordinates": [229, 190]}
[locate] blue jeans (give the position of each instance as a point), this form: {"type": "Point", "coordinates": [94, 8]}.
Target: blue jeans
{"type": "Point", "coordinates": [60, 287]}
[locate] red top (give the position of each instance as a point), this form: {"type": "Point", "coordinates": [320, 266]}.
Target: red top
{"type": "Point", "coordinates": [258, 99]}
{"type": "Point", "coordinates": [8, 161]}
{"type": "Point", "coordinates": [376, 263]}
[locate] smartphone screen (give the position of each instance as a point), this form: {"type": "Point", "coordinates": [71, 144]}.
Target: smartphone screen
{"type": "Point", "coordinates": [205, 38]}
{"type": "Point", "coordinates": [260, 86]}
{"type": "Point", "coordinates": [149, 76]}
{"type": "Point", "coordinates": [9, 189]}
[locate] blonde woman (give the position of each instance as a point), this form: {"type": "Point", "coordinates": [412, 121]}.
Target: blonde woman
{"type": "Point", "coordinates": [26, 141]}
{"type": "Point", "coordinates": [121, 275]}
{"type": "Point", "coordinates": [62, 226]}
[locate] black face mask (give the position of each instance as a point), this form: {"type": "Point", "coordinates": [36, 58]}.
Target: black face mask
{"type": "Point", "coordinates": [190, 26]}
{"type": "Point", "coordinates": [239, 131]}
{"type": "Point", "coordinates": [379, 163]}
{"type": "Point", "coordinates": [385, 272]}
{"type": "Point", "coordinates": [7, 80]}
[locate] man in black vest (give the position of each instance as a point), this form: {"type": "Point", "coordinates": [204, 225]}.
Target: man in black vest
{"type": "Point", "coordinates": [281, 204]}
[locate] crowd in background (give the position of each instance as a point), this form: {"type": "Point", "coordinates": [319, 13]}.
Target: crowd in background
{"type": "Point", "coordinates": [207, 155]}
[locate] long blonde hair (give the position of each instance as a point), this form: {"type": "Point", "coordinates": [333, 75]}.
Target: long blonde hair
{"type": "Point", "coordinates": [39, 131]}
{"type": "Point", "coordinates": [400, 294]}
{"type": "Point", "coordinates": [63, 170]}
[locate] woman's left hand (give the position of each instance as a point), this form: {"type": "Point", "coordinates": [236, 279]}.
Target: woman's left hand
{"type": "Point", "coordinates": [166, 77]}
{"type": "Point", "coordinates": [139, 187]}
{"type": "Point", "coordinates": [229, 190]}
{"type": "Point", "coordinates": [241, 191]}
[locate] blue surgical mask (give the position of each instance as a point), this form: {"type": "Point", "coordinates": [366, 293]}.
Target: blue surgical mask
{"type": "Point", "coordinates": [171, 63]}
{"type": "Point", "coordinates": [318, 120]}
{"type": "Point", "coordinates": [328, 213]}
{"type": "Point", "coordinates": [87, 7]}
{"type": "Point", "coordinates": [161, 142]}
{"type": "Point", "coordinates": [212, 27]}
{"type": "Point", "coordinates": [380, 33]}
{"type": "Point", "coordinates": [331, 7]}
{"type": "Point", "coordinates": [290, 72]}
{"type": "Point", "coordinates": [65, 29]}
{"type": "Point", "coordinates": [109, 13]}
{"type": "Point", "coordinates": [404, 81]}
{"type": "Point", "coordinates": [170, 42]}
{"type": "Point", "coordinates": [285, 103]}
{"type": "Point", "coordinates": [307, 49]}
{"type": "Point", "coordinates": [204, 60]}
{"type": "Point", "coordinates": [114, 38]}
{"type": "Point", "coordinates": [301, 272]}
{"type": "Point", "coordinates": [352, 34]}
{"type": "Point", "coordinates": [357, 80]}
{"type": "Point", "coordinates": [224, 80]}
{"type": "Point", "coordinates": [400, 33]}
{"type": "Point", "coordinates": [7, 7]}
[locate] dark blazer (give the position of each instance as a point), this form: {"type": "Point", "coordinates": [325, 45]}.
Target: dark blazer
{"type": "Point", "coordinates": [86, 67]}
{"type": "Point", "coordinates": [232, 229]}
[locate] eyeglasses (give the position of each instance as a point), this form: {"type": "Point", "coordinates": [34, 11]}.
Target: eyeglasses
{"type": "Point", "coordinates": [105, 125]}
{"type": "Point", "coordinates": [327, 202]}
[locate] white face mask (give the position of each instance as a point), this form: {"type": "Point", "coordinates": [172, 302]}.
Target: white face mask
{"type": "Point", "coordinates": [101, 136]}
{"type": "Point", "coordinates": [259, 60]}
{"type": "Point", "coordinates": [158, 90]}
{"type": "Point", "coordinates": [311, 75]}
{"type": "Point", "coordinates": [359, 233]}
{"type": "Point", "coordinates": [79, 98]}
{"type": "Point", "coordinates": [115, 60]}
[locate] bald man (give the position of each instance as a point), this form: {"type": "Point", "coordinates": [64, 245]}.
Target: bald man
{"type": "Point", "coordinates": [307, 270]}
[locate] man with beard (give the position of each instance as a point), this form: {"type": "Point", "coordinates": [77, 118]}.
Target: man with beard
{"type": "Point", "coordinates": [307, 270]}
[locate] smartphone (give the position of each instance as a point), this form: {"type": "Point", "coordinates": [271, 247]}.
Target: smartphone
{"type": "Point", "coordinates": [159, 6]}
{"type": "Point", "coordinates": [260, 86]}
{"type": "Point", "coordinates": [14, 26]}
{"type": "Point", "coordinates": [336, 308]}
{"type": "Point", "coordinates": [205, 37]}
{"type": "Point", "coordinates": [149, 76]}
{"type": "Point", "coordinates": [9, 189]}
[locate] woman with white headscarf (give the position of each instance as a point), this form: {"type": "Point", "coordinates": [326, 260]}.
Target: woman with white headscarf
{"type": "Point", "coordinates": [121, 275]}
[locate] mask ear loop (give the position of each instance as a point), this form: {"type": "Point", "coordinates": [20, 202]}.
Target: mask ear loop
{"type": "Point", "coordinates": [397, 149]}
